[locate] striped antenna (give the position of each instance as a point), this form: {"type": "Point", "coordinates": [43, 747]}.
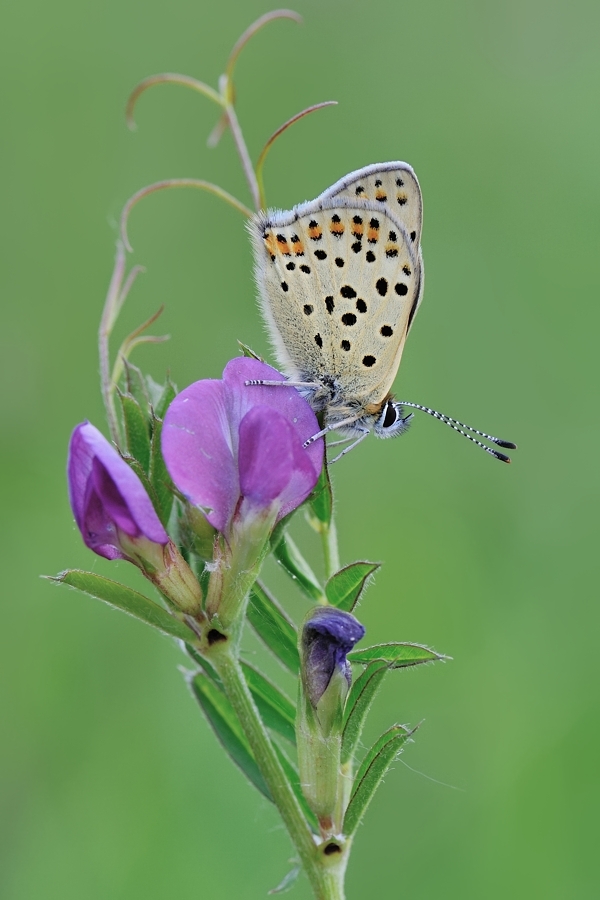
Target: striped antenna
{"type": "Point", "coordinates": [459, 426]}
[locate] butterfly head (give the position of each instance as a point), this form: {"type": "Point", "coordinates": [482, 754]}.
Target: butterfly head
{"type": "Point", "coordinates": [391, 421]}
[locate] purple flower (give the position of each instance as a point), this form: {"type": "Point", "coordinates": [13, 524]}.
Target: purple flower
{"type": "Point", "coordinates": [107, 497]}
{"type": "Point", "coordinates": [328, 636]}
{"type": "Point", "coordinates": [236, 450]}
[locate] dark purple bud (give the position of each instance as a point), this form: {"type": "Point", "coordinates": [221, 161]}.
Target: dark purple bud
{"type": "Point", "coordinates": [225, 442]}
{"type": "Point", "coordinates": [328, 636]}
{"type": "Point", "coordinates": [107, 497]}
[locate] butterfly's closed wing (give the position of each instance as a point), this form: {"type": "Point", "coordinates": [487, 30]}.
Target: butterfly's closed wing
{"type": "Point", "coordinates": [395, 187]}
{"type": "Point", "coordinates": [338, 280]}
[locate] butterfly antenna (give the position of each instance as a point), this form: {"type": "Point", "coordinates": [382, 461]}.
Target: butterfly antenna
{"type": "Point", "coordinates": [459, 426]}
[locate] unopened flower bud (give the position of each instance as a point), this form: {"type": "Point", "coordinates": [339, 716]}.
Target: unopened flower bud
{"type": "Point", "coordinates": [328, 635]}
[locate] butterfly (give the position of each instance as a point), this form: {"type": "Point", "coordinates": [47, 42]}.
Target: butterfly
{"type": "Point", "coordinates": [340, 279]}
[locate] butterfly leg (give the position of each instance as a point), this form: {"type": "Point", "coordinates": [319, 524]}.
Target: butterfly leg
{"type": "Point", "coordinates": [355, 443]}
{"type": "Point", "coordinates": [342, 441]}
{"type": "Point", "coordinates": [344, 422]}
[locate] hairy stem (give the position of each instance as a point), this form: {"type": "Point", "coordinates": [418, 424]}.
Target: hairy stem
{"type": "Point", "coordinates": [109, 314]}
{"type": "Point", "coordinates": [324, 867]}
{"type": "Point", "coordinates": [330, 548]}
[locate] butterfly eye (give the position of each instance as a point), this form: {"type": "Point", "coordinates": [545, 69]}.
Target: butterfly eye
{"type": "Point", "coordinates": [389, 416]}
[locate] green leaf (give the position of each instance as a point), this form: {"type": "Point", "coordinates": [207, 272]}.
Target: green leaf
{"type": "Point", "coordinates": [158, 475]}
{"type": "Point", "coordinates": [136, 386]}
{"type": "Point", "coordinates": [359, 702]}
{"type": "Point", "coordinates": [169, 392]}
{"type": "Point", "coordinates": [276, 709]}
{"type": "Point", "coordinates": [371, 772]}
{"type": "Point", "coordinates": [291, 773]}
{"type": "Point", "coordinates": [287, 553]}
{"type": "Point", "coordinates": [204, 664]}
{"type": "Point", "coordinates": [397, 655]}
{"type": "Point", "coordinates": [224, 722]}
{"type": "Point", "coordinates": [274, 627]}
{"type": "Point", "coordinates": [246, 351]}
{"type": "Point", "coordinates": [344, 589]}
{"type": "Point", "coordinates": [287, 882]}
{"type": "Point", "coordinates": [321, 499]}
{"type": "Point", "coordinates": [137, 435]}
{"type": "Point", "coordinates": [125, 599]}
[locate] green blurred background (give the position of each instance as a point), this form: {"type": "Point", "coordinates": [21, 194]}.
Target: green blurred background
{"type": "Point", "coordinates": [111, 785]}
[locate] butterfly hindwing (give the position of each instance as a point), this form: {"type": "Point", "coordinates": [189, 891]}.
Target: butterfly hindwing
{"type": "Point", "coordinates": [395, 186]}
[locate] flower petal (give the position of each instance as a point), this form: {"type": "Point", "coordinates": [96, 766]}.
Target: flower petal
{"type": "Point", "coordinates": [199, 447]}
{"type": "Point", "coordinates": [285, 400]}
{"type": "Point", "coordinates": [201, 439]}
{"type": "Point", "coordinates": [105, 492]}
{"type": "Point", "coordinates": [266, 455]}
{"type": "Point", "coordinates": [327, 637]}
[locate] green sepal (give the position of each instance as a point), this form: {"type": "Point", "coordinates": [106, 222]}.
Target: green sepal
{"type": "Point", "coordinates": [344, 589]}
{"type": "Point", "coordinates": [371, 772]}
{"type": "Point", "coordinates": [137, 434]}
{"type": "Point", "coordinates": [129, 601]}
{"type": "Point", "coordinates": [288, 555]}
{"type": "Point", "coordinates": [168, 394]}
{"type": "Point", "coordinates": [359, 702]}
{"type": "Point", "coordinates": [225, 724]}
{"type": "Point", "coordinates": [397, 655]}
{"type": "Point", "coordinates": [274, 628]}
{"type": "Point", "coordinates": [248, 352]}
{"type": "Point", "coordinates": [276, 709]}
{"type": "Point", "coordinates": [321, 500]}
{"type": "Point", "coordinates": [141, 473]}
{"type": "Point", "coordinates": [291, 773]}
{"type": "Point", "coordinates": [288, 882]}
{"type": "Point", "coordinates": [158, 475]}
{"type": "Point", "coordinates": [136, 386]}
{"type": "Point", "coordinates": [154, 391]}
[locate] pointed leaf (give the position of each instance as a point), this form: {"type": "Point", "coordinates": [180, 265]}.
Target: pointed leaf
{"type": "Point", "coordinates": [204, 664]}
{"type": "Point", "coordinates": [158, 475]}
{"type": "Point", "coordinates": [371, 772]}
{"type": "Point", "coordinates": [287, 883]}
{"type": "Point", "coordinates": [321, 500]}
{"type": "Point", "coordinates": [154, 391]}
{"type": "Point", "coordinates": [137, 436]}
{"type": "Point", "coordinates": [397, 655]}
{"type": "Point", "coordinates": [274, 627]}
{"type": "Point", "coordinates": [276, 709]}
{"type": "Point", "coordinates": [224, 722]}
{"type": "Point", "coordinates": [345, 587]}
{"type": "Point", "coordinates": [288, 555]}
{"type": "Point", "coordinates": [136, 385]}
{"type": "Point", "coordinates": [359, 702]}
{"type": "Point", "coordinates": [291, 773]}
{"type": "Point", "coordinates": [247, 351]}
{"type": "Point", "coordinates": [169, 392]}
{"type": "Point", "coordinates": [125, 599]}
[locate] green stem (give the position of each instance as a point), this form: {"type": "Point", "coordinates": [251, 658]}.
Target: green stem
{"type": "Point", "coordinates": [325, 870]}
{"type": "Point", "coordinates": [330, 548]}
